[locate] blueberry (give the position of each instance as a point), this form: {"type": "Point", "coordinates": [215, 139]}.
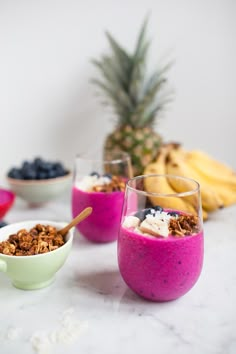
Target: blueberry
{"type": "Point", "coordinates": [2, 223]}
{"type": "Point", "coordinates": [51, 174]}
{"type": "Point", "coordinates": [29, 174]}
{"type": "Point", "coordinates": [95, 174]}
{"type": "Point", "coordinates": [59, 169]}
{"type": "Point", "coordinates": [37, 162]}
{"type": "Point", "coordinates": [57, 165]}
{"type": "Point", "coordinates": [158, 208]}
{"type": "Point", "coordinates": [143, 213]}
{"type": "Point", "coordinates": [42, 166]}
{"type": "Point", "coordinates": [26, 165]}
{"type": "Point", "coordinates": [41, 175]}
{"type": "Point", "coordinates": [173, 213]}
{"type": "Point", "coordinates": [148, 211]}
{"type": "Point", "coordinates": [15, 173]}
{"type": "Point", "coordinates": [28, 171]}
{"type": "Point", "coordinates": [108, 175]}
{"type": "Point", "coordinates": [46, 166]}
{"type": "Point", "coordinates": [140, 214]}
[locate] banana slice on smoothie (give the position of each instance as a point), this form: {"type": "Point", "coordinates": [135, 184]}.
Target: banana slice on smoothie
{"type": "Point", "coordinates": [131, 221]}
{"type": "Point", "coordinates": [155, 226]}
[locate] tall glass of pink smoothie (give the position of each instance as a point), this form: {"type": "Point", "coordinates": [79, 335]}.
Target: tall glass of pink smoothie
{"type": "Point", "coordinates": [100, 184]}
{"type": "Point", "coordinates": [160, 242]}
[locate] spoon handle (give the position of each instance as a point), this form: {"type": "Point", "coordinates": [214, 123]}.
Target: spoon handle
{"type": "Point", "coordinates": [81, 216]}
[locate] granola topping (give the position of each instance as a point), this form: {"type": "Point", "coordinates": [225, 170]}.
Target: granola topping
{"type": "Point", "coordinates": [39, 239]}
{"type": "Point", "coordinates": [106, 183]}
{"type": "Point", "coordinates": [184, 225]}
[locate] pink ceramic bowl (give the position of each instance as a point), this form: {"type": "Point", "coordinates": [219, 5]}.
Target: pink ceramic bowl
{"type": "Point", "coordinates": [7, 199]}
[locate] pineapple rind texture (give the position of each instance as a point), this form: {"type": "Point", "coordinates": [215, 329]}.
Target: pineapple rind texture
{"type": "Point", "coordinates": [142, 146]}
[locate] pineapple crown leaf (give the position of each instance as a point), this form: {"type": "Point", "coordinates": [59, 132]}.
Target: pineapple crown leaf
{"type": "Point", "coordinates": [149, 115]}
{"type": "Point", "coordinates": [138, 74]}
{"type": "Point", "coordinates": [119, 98]}
{"type": "Point", "coordinates": [111, 72]}
{"type": "Point", "coordinates": [142, 44]}
{"type": "Point", "coordinates": [119, 53]}
{"type": "Point", "coordinates": [138, 63]}
{"type": "Point", "coordinates": [148, 96]}
{"type": "Point", "coordinates": [134, 98]}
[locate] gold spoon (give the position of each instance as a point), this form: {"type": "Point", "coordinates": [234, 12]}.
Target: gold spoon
{"type": "Point", "coordinates": [81, 216]}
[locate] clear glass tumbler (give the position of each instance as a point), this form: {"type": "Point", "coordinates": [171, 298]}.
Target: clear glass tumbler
{"type": "Point", "coordinates": [100, 184]}
{"type": "Point", "coordinates": [160, 243]}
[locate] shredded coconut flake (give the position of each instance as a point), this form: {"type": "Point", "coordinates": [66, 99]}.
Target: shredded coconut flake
{"type": "Point", "coordinates": [160, 215]}
{"type": "Point", "coordinates": [41, 343]}
{"type": "Point", "coordinates": [88, 182]}
{"type": "Point", "coordinates": [67, 332]}
{"type": "Point", "coordinates": [13, 333]}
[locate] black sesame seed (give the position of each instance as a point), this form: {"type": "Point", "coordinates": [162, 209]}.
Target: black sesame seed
{"type": "Point", "coordinates": [108, 175]}
{"type": "Point", "coordinates": [2, 223]}
{"type": "Point", "coordinates": [94, 174]}
{"type": "Point", "coordinates": [158, 208]}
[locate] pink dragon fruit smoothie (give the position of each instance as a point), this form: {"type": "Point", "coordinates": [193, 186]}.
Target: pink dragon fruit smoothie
{"type": "Point", "coordinates": [103, 224]}
{"type": "Point", "coordinates": [159, 268]}
{"type": "Point", "coordinates": [99, 182]}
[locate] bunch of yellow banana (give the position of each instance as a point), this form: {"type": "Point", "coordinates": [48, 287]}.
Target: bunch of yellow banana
{"type": "Point", "coordinates": [217, 181]}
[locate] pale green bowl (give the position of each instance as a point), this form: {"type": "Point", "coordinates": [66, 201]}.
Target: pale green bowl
{"type": "Point", "coordinates": [37, 271]}
{"type": "Point", "coordinates": [37, 192]}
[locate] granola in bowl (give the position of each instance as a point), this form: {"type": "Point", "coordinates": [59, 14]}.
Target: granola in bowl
{"type": "Point", "coordinates": [39, 239]}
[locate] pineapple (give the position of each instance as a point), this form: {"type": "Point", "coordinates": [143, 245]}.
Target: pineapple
{"type": "Point", "coordinates": [135, 99]}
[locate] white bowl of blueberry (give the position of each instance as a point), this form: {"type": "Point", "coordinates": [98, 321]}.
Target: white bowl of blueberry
{"type": "Point", "coordinates": [39, 181]}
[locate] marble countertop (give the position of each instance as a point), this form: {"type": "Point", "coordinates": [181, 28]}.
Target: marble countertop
{"type": "Point", "coordinates": [88, 309]}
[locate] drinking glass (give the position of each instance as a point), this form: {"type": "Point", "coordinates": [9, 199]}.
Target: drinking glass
{"type": "Point", "coordinates": [100, 184]}
{"type": "Point", "coordinates": [160, 242]}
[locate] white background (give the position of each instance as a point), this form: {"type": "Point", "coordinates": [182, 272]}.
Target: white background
{"type": "Point", "coordinates": [49, 108]}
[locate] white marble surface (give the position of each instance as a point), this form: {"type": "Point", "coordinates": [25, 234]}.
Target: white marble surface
{"type": "Point", "coordinates": [110, 319]}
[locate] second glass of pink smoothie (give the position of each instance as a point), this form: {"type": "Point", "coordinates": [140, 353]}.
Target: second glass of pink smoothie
{"type": "Point", "coordinates": [100, 184]}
